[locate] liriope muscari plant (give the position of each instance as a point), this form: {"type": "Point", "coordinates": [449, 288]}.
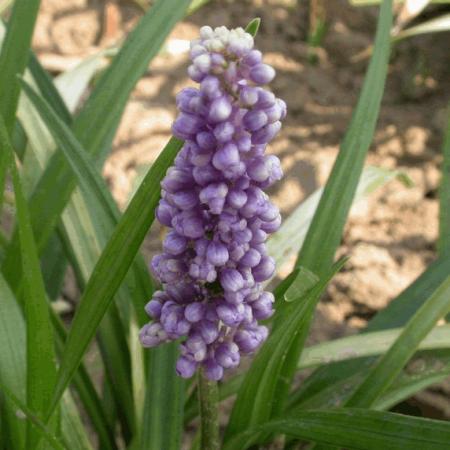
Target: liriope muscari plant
{"type": "Point", "coordinates": [211, 307]}
{"type": "Point", "coordinates": [214, 258]}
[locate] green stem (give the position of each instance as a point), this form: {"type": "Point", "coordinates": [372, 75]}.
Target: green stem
{"type": "Point", "coordinates": [208, 397]}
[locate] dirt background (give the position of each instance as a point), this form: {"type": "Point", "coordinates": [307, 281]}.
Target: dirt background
{"type": "Point", "coordinates": [391, 238]}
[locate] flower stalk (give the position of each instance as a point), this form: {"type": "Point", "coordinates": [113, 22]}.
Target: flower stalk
{"type": "Point", "coordinates": [208, 396]}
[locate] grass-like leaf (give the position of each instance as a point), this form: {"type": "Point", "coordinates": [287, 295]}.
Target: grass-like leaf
{"type": "Point", "coordinates": [45, 84]}
{"type": "Point", "coordinates": [79, 160]}
{"type": "Point", "coordinates": [396, 314]}
{"type": "Point", "coordinates": [3, 171]}
{"type": "Point", "coordinates": [391, 363]}
{"type": "Point", "coordinates": [12, 367]}
{"type": "Point", "coordinates": [163, 411]}
{"type": "Point", "coordinates": [257, 395]}
{"type": "Point", "coordinates": [433, 368]}
{"type": "Point", "coordinates": [302, 283]}
{"type": "Point", "coordinates": [353, 429]}
{"type": "Point", "coordinates": [73, 431]}
{"type": "Point", "coordinates": [14, 56]}
{"type": "Point", "coordinates": [96, 123]}
{"type": "Point", "coordinates": [324, 234]}
{"type": "Point", "coordinates": [444, 196]}
{"type": "Point", "coordinates": [13, 378]}
{"type": "Point", "coordinates": [367, 344]}
{"type": "Point", "coordinates": [436, 25]}
{"type": "Point", "coordinates": [92, 404]}
{"type": "Point", "coordinates": [112, 267]}
{"type": "Point", "coordinates": [39, 427]}
{"type": "Point", "coordinates": [41, 369]}
{"type": "Point", "coordinates": [102, 218]}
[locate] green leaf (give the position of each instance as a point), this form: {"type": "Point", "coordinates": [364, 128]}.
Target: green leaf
{"type": "Point", "coordinates": [436, 25]}
{"type": "Point", "coordinates": [80, 161]}
{"type": "Point", "coordinates": [288, 240]}
{"type": "Point", "coordinates": [45, 84]}
{"type": "Point", "coordinates": [12, 356]}
{"type": "Point", "coordinates": [96, 123]}
{"type": "Point", "coordinates": [14, 56]}
{"type": "Point", "coordinates": [112, 267]}
{"type": "Point", "coordinates": [13, 377]}
{"type": "Point", "coordinates": [86, 231]}
{"type": "Point", "coordinates": [367, 344]}
{"type": "Point", "coordinates": [195, 5]}
{"type": "Point", "coordinates": [391, 363]}
{"type": "Point", "coordinates": [444, 196]}
{"type": "Point", "coordinates": [324, 234]}
{"type": "Point", "coordinates": [38, 426]}
{"type": "Point", "coordinates": [303, 282]}
{"type": "Point", "coordinates": [3, 173]}
{"type": "Point", "coordinates": [74, 434]}
{"type": "Point", "coordinates": [72, 84]}
{"type": "Point", "coordinates": [253, 26]}
{"type": "Point", "coordinates": [163, 425]}
{"type": "Point", "coordinates": [257, 397]}
{"type": "Point", "coordinates": [428, 369]}
{"type": "Point", "coordinates": [87, 393]}
{"type": "Point", "coordinates": [396, 314]}
{"type": "Point", "coordinates": [353, 429]}
{"type": "Point", "coordinates": [41, 369]}
{"type": "Point", "coordinates": [105, 215]}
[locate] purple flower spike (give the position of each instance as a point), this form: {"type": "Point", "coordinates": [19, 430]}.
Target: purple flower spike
{"type": "Point", "coordinates": [213, 370]}
{"type": "Point", "coordinates": [186, 367]}
{"type": "Point", "coordinates": [262, 74]}
{"type": "Point", "coordinates": [186, 126]}
{"type": "Point", "coordinates": [226, 156]}
{"type": "Point", "coordinates": [227, 355]}
{"type": "Point", "coordinates": [255, 119]}
{"type": "Point", "coordinates": [214, 256]}
{"type": "Point", "coordinates": [220, 110]}
{"type": "Point", "coordinates": [217, 254]}
{"type": "Point", "coordinates": [194, 312]}
{"type": "Point", "coordinates": [231, 280]}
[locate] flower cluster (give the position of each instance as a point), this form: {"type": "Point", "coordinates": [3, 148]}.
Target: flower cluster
{"type": "Point", "coordinates": [215, 259]}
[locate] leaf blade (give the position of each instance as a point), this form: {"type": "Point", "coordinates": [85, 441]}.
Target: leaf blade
{"type": "Point", "coordinates": [322, 240]}
{"type": "Point", "coordinates": [444, 196]}
{"type": "Point", "coordinates": [257, 395]}
{"type": "Point", "coordinates": [353, 429]}
{"type": "Point", "coordinates": [112, 266]}
{"type": "Point", "coordinates": [41, 369]}
{"type": "Point", "coordinates": [14, 56]}
{"type": "Point", "coordinates": [391, 363]}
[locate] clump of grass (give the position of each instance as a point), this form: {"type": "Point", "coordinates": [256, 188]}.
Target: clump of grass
{"type": "Point", "coordinates": [65, 216]}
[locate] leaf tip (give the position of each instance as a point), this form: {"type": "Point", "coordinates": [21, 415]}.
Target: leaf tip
{"type": "Point", "coordinates": [253, 26]}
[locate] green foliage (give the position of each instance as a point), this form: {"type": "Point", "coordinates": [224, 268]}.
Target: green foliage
{"type": "Point", "coordinates": [352, 429]}
{"type": "Point", "coordinates": [65, 217]}
{"type": "Point", "coordinates": [444, 197]}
